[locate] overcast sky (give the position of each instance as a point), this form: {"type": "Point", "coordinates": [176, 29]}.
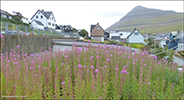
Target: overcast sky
{"type": "Point", "coordinates": [82, 14]}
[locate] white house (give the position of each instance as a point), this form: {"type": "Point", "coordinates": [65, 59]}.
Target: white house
{"type": "Point", "coordinates": [129, 37]}
{"type": "Point", "coordinates": [25, 20]}
{"type": "Point", "coordinates": [181, 45]}
{"type": "Point", "coordinates": [5, 14]}
{"type": "Point", "coordinates": [118, 35]}
{"type": "Point", "coordinates": [162, 42]}
{"type": "Point", "coordinates": [46, 18]}
{"type": "Point", "coordinates": [37, 25]}
{"type": "Point", "coordinates": [135, 37]}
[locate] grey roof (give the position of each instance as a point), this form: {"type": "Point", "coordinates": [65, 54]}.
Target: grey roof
{"type": "Point", "coordinates": [46, 14]}
{"type": "Point", "coordinates": [133, 32]}
{"type": "Point", "coordinates": [92, 26]}
{"type": "Point", "coordinates": [181, 40]}
{"type": "Point", "coordinates": [39, 23]}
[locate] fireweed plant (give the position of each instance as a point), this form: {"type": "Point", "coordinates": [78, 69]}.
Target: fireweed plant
{"type": "Point", "coordinates": [90, 72]}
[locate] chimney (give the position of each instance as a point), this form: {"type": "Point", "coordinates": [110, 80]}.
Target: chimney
{"type": "Point", "coordinates": [97, 23]}
{"type": "Point", "coordinates": [42, 10]}
{"type": "Point", "coordinates": [134, 29]}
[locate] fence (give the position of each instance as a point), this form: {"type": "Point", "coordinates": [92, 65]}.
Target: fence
{"type": "Point", "coordinates": [9, 28]}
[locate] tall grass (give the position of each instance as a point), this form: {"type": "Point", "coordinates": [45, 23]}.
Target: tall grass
{"type": "Point", "coordinates": [90, 72]}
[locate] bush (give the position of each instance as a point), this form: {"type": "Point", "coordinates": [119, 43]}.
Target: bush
{"type": "Point", "coordinates": [113, 41]}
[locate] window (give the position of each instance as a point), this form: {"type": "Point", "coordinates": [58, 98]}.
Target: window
{"type": "Point", "coordinates": [52, 24]}
{"type": "Point", "coordinates": [49, 23]}
{"type": "Point", "coordinates": [121, 34]}
{"type": "Point", "coordinates": [97, 28]}
{"type": "Point", "coordinates": [41, 16]}
{"type": "Point", "coordinates": [136, 33]}
{"type": "Point", "coordinates": [36, 17]}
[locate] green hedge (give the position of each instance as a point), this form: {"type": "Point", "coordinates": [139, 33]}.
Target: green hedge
{"type": "Point", "coordinates": [12, 21]}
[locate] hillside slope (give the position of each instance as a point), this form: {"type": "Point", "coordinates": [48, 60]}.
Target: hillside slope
{"type": "Point", "coordinates": [149, 21]}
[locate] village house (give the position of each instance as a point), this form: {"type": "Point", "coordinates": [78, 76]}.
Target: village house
{"type": "Point", "coordinates": [181, 45]}
{"type": "Point", "coordinates": [97, 32]}
{"type": "Point", "coordinates": [172, 41]}
{"type": "Point", "coordinates": [46, 18]}
{"type": "Point", "coordinates": [5, 14]}
{"type": "Point", "coordinates": [130, 37]}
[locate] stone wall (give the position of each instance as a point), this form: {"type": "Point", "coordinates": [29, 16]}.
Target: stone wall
{"type": "Point", "coordinates": [29, 44]}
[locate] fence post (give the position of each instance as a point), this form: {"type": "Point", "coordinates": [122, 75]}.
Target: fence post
{"type": "Point", "coordinates": [39, 31]}
{"type": "Point", "coordinates": [33, 31]}
{"type": "Point", "coordinates": [44, 32]}
{"type": "Point", "coordinates": [49, 32]}
{"type": "Point", "coordinates": [6, 26]}
{"type": "Point", "coordinates": [26, 29]}
{"type": "Point", "coordinates": [17, 29]}
{"type": "Point", "coordinates": [52, 33]}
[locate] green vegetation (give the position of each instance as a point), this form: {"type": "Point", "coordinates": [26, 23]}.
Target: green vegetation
{"type": "Point", "coordinates": [83, 33]}
{"type": "Point", "coordinates": [7, 20]}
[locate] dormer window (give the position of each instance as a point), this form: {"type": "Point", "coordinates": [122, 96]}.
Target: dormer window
{"type": "Point", "coordinates": [41, 16]}
{"type": "Point", "coordinates": [36, 17]}
{"type": "Point", "coordinates": [136, 33]}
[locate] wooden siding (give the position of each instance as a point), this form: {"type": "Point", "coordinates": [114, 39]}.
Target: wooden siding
{"type": "Point", "coordinates": [96, 33]}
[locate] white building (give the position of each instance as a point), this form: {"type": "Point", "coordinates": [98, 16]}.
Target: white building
{"type": "Point", "coordinates": [5, 14]}
{"type": "Point", "coordinates": [129, 37]}
{"type": "Point", "coordinates": [25, 20]}
{"type": "Point", "coordinates": [181, 45]}
{"type": "Point", "coordinates": [46, 18]}
{"type": "Point", "coordinates": [37, 25]}
{"type": "Point", "coordinates": [162, 42]}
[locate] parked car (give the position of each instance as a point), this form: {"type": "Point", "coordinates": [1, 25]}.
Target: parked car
{"type": "Point", "coordinates": [10, 32]}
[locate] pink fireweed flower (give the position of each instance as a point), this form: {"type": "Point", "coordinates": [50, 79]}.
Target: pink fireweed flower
{"type": "Point", "coordinates": [111, 55]}
{"type": "Point", "coordinates": [31, 67]}
{"type": "Point", "coordinates": [133, 62]}
{"type": "Point", "coordinates": [63, 83]}
{"type": "Point", "coordinates": [116, 68]}
{"type": "Point", "coordinates": [106, 51]}
{"type": "Point", "coordinates": [66, 56]}
{"type": "Point", "coordinates": [18, 46]}
{"type": "Point", "coordinates": [2, 54]}
{"type": "Point", "coordinates": [105, 66]}
{"type": "Point", "coordinates": [92, 66]}
{"type": "Point", "coordinates": [124, 72]}
{"type": "Point", "coordinates": [80, 66]}
{"type": "Point", "coordinates": [2, 35]}
{"type": "Point", "coordinates": [124, 66]}
{"type": "Point", "coordinates": [155, 57]}
{"type": "Point", "coordinates": [149, 66]}
{"type": "Point", "coordinates": [39, 57]}
{"type": "Point", "coordinates": [97, 56]}
{"type": "Point", "coordinates": [142, 60]}
{"type": "Point", "coordinates": [123, 56]}
{"type": "Point", "coordinates": [49, 60]}
{"type": "Point", "coordinates": [62, 63]}
{"type": "Point", "coordinates": [145, 64]}
{"type": "Point", "coordinates": [16, 62]}
{"type": "Point", "coordinates": [85, 58]}
{"type": "Point", "coordinates": [158, 63]}
{"type": "Point", "coordinates": [135, 59]}
{"type": "Point", "coordinates": [35, 74]}
{"type": "Point", "coordinates": [89, 41]}
{"type": "Point", "coordinates": [97, 71]}
{"type": "Point", "coordinates": [96, 52]}
{"type": "Point", "coordinates": [38, 66]}
{"type": "Point", "coordinates": [128, 57]}
{"type": "Point", "coordinates": [84, 66]}
{"type": "Point", "coordinates": [91, 57]}
{"type": "Point", "coordinates": [128, 61]}
{"type": "Point", "coordinates": [149, 83]}
{"type": "Point", "coordinates": [8, 60]}
{"type": "Point", "coordinates": [33, 62]}
{"type": "Point", "coordinates": [100, 97]}
{"type": "Point", "coordinates": [108, 60]}
{"type": "Point", "coordinates": [79, 49]}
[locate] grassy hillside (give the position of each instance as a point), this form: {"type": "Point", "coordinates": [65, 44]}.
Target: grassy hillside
{"type": "Point", "coordinates": [12, 21]}
{"type": "Point", "coordinates": [150, 21]}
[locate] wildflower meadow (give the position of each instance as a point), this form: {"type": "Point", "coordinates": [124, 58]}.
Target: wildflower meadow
{"type": "Point", "coordinates": [89, 72]}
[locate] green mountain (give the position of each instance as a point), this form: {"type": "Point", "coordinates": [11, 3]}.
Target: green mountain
{"type": "Point", "coordinates": [149, 21]}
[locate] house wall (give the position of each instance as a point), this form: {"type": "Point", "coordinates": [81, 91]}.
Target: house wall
{"type": "Point", "coordinates": [52, 21]}
{"type": "Point", "coordinates": [36, 26]}
{"type": "Point", "coordinates": [96, 32]}
{"type": "Point", "coordinates": [113, 33]}
{"type": "Point", "coordinates": [43, 20]}
{"type": "Point", "coordinates": [98, 38]}
{"type": "Point", "coordinates": [180, 47]}
{"type": "Point", "coordinates": [136, 38]}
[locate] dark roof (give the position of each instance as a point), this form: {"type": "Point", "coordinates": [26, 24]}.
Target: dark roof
{"type": "Point", "coordinates": [38, 22]}
{"type": "Point", "coordinates": [181, 40]}
{"type": "Point", "coordinates": [5, 12]}
{"type": "Point", "coordinates": [133, 32]}
{"type": "Point", "coordinates": [92, 27]}
{"type": "Point", "coordinates": [46, 14]}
